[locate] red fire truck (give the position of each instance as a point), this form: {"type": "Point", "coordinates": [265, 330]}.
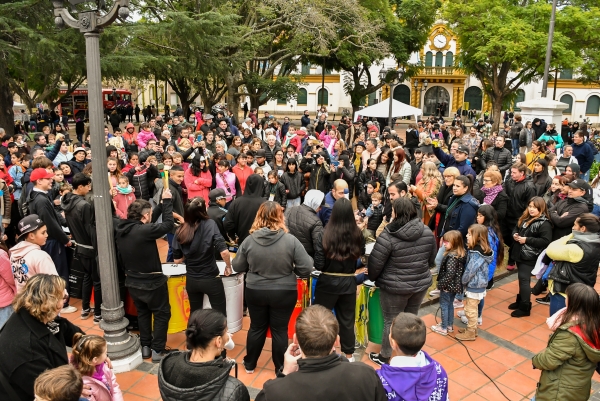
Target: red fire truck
{"type": "Point", "coordinates": [76, 104]}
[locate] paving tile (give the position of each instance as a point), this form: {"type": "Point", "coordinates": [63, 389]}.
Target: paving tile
{"type": "Point", "coordinates": [481, 345]}
{"type": "Point", "coordinates": [503, 331]}
{"type": "Point", "coordinates": [147, 386]}
{"type": "Point", "coordinates": [489, 367]}
{"type": "Point", "coordinates": [518, 382]}
{"type": "Point", "coordinates": [470, 378]}
{"type": "Point", "coordinates": [240, 337]}
{"type": "Point", "coordinates": [264, 375]}
{"type": "Point", "coordinates": [449, 364]}
{"type": "Point", "coordinates": [530, 343]}
{"type": "Point", "coordinates": [439, 342]}
{"type": "Point", "coordinates": [127, 379]}
{"type": "Point", "coordinates": [459, 353]}
{"type": "Point", "coordinates": [489, 392]}
{"type": "Point", "coordinates": [457, 391]}
{"type": "Point", "coordinates": [495, 314]}
{"type": "Point", "coordinates": [134, 397]}
{"type": "Point", "coordinates": [264, 359]}
{"type": "Point", "coordinates": [506, 357]}
{"type": "Point", "coordinates": [520, 324]}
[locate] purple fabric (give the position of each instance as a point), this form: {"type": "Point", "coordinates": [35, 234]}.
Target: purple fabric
{"type": "Point", "coordinates": [491, 193]}
{"type": "Point", "coordinates": [99, 373]}
{"type": "Point", "coordinates": [415, 384]}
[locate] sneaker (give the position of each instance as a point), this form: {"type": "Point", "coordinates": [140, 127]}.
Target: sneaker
{"type": "Point", "coordinates": [85, 313]}
{"type": "Point", "coordinates": [510, 267]}
{"type": "Point", "coordinates": [146, 352]}
{"type": "Point", "coordinates": [450, 329]}
{"type": "Point", "coordinates": [378, 359]}
{"type": "Point", "coordinates": [479, 321]}
{"type": "Point", "coordinates": [351, 359]}
{"type": "Point", "coordinates": [158, 356]}
{"type": "Point", "coordinates": [461, 313]}
{"type": "Point", "coordinates": [434, 293]}
{"type": "Point", "coordinates": [248, 371]}
{"type": "Point", "coordinates": [68, 309]}
{"type": "Point", "coordinates": [543, 300]}
{"type": "Point", "coordinates": [438, 329]}
{"type": "Point", "coordinates": [458, 304]}
{"type": "Point", "coordinates": [97, 319]}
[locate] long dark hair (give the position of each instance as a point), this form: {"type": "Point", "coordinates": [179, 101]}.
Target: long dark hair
{"type": "Point", "coordinates": [583, 309]}
{"type": "Point", "coordinates": [543, 175]}
{"type": "Point", "coordinates": [540, 205]}
{"type": "Point", "coordinates": [203, 326]}
{"type": "Point", "coordinates": [195, 166]}
{"type": "Point", "coordinates": [404, 210]}
{"type": "Point", "coordinates": [490, 219]}
{"type": "Point", "coordinates": [194, 212]}
{"type": "Point", "coordinates": [342, 239]}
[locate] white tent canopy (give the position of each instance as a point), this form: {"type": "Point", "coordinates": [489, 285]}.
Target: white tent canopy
{"type": "Point", "coordinates": [17, 104]}
{"type": "Point", "coordinates": [382, 110]}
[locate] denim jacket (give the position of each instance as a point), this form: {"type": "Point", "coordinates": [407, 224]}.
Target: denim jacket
{"type": "Point", "coordinates": [475, 277]}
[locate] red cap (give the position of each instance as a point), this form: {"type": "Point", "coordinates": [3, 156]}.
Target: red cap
{"type": "Point", "coordinates": [40, 173]}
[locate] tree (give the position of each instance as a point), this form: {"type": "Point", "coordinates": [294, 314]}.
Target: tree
{"type": "Point", "coordinates": [400, 26]}
{"type": "Point", "coordinates": [503, 42]}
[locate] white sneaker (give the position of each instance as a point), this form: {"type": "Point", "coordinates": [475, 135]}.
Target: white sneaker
{"type": "Point", "coordinates": [68, 309]}
{"type": "Point", "coordinates": [464, 319]}
{"type": "Point", "coordinates": [350, 359]}
{"type": "Point", "coordinates": [434, 293]}
{"type": "Point", "coordinates": [460, 313]}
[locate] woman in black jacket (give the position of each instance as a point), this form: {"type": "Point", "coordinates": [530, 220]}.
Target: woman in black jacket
{"type": "Point", "coordinates": [34, 338]}
{"type": "Point", "coordinates": [294, 183]}
{"type": "Point", "coordinates": [399, 264]}
{"type": "Point", "coordinates": [343, 244]}
{"type": "Point", "coordinates": [541, 178]}
{"type": "Point", "coordinates": [531, 236]}
{"type": "Point", "coordinates": [371, 174]}
{"type": "Point", "coordinates": [195, 242]}
{"type": "Point", "coordinates": [202, 371]}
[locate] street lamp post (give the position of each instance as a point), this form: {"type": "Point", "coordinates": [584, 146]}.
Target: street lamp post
{"type": "Point", "coordinates": [123, 349]}
{"type": "Point", "coordinates": [395, 79]}
{"type": "Point", "coordinates": [424, 86]}
{"type": "Point", "coordinates": [549, 50]}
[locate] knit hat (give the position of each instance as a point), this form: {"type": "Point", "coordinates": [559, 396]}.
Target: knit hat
{"type": "Point", "coordinates": [314, 199]}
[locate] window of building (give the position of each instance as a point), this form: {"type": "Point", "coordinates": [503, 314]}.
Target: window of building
{"type": "Point", "coordinates": [520, 98]}
{"type": "Point", "coordinates": [568, 99]}
{"type": "Point", "coordinates": [302, 96]}
{"type": "Point", "coordinates": [592, 106]}
{"type": "Point", "coordinates": [323, 97]}
{"type": "Point", "coordinates": [449, 59]}
{"type": "Point", "coordinates": [428, 59]}
{"type": "Point", "coordinates": [439, 59]}
{"type": "Point", "coordinates": [566, 74]}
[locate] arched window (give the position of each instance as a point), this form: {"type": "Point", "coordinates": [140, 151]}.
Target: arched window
{"type": "Point", "coordinates": [282, 101]}
{"type": "Point", "coordinates": [428, 59]}
{"type": "Point", "coordinates": [592, 106]}
{"type": "Point", "coordinates": [402, 94]}
{"type": "Point", "coordinates": [449, 59]}
{"type": "Point", "coordinates": [568, 99]}
{"type": "Point", "coordinates": [474, 96]}
{"type": "Point", "coordinates": [151, 90]}
{"type": "Point", "coordinates": [372, 98]}
{"type": "Point", "coordinates": [439, 59]}
{"type": "Point", "coordinates": [302, 96]}
{"type": "Point", "coordinates": [323, 97]}
{"type": "Point", "coordinates": [520, 98]}
{"type": "Point", "coordinates": [305, 69]}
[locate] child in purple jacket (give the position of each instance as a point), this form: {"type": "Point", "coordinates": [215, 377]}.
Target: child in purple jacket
{"type": "Point", "coordinates": [412, 374]}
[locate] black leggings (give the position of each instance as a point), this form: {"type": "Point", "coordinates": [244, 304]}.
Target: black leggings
{"type": "Point", "coordinates": [524, 274]}
{"type": "Point", "coordinates": [213, 287]}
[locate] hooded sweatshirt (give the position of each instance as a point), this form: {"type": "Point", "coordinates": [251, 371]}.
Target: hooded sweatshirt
{"type": "Point", "coordinates": [27, 260]}
{"type": "Point", "coordinates": [272, 259]}
{"type": "Point", "coordinates": [242, 211]}
{"type": "Point", "coordinates": [123, 198]}
{"type": "Point", "coordinates": [415, 378]}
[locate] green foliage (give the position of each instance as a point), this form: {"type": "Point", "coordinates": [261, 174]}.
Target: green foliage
{"type": "Point", "coordinates": [594, 170]}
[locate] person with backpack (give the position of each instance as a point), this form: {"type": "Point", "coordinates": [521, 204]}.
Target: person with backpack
{"type": "Point", "coordinates": [39, 203]}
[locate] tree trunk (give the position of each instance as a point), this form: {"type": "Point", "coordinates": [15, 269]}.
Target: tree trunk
{"type": "Point", "coordinates": [233, 102]}
{"type": "Point", "coordinates": [7, 116]}
{"type": "Point", "coordinates": [497, 101]}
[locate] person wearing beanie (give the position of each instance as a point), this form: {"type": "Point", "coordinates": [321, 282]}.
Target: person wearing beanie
{"type": "Point", "coordinates": [242, 211]}
{"type": "Point", "coordinates": [216, 211]}
{"type": "Point", "coordinates": [303, 223]}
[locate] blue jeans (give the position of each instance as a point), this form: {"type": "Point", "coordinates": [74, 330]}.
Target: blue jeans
{"type": "Point", "coordinates": [586, 175]}
{"type": "Point", "coordinates": [447, 308]}
{"type": "Point", "coordinates": [557, 302]}
{"type": "Point", "coordinates": [5, 313]}
{"type": "Point", "coordinates": [596, 210]}
{"type": "Point", "coordinates": [170, 237]}
{"type": "Point", "coordinates": [515, 146]}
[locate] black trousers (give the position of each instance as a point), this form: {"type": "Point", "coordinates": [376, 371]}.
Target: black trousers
{"type": "Point", "coordinates": [91, 278]}
{"type": "Point", "coordinates": [152, 303]}
{"type": "Point", "coordinates": [213, 287]}
{"type": "Point", "coordinates": [268, 309]}
{"type": "Point", "coordinates": [345, 306]}
{"type": "Point", "coordinates": [524, 270]}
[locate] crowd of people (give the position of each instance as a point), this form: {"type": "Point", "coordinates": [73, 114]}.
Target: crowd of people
{"type": "Point", "coordinates": [442, 206]}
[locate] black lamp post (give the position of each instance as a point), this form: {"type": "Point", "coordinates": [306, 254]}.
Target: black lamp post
{"type": "Point", "coordinates": [424, 86]}
{"type": "Point", "coordinates": [394, 78]}
{"type": "Point", "coordinates": [123, 349]}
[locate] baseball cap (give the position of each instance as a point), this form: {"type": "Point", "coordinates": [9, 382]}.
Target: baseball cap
{"type": "Point", "coordinates": [79, 149]}
{"type": "Point", "coordinates": [360, 143]}
{"type": "Point", "coordinates": [29, 223]}
{"type": "Point", "coordinates": [581, 184]}
{"type": "Point", "coordinates": [260, 153]}
{"type": "Point", "coordinates": [208, 117]}
{"type": "Point", "coordinates": [463, 149]}
{"type": "Point", "coordinates": [40, 173]}
{"type": "Point", "coordinates": [217, 194]}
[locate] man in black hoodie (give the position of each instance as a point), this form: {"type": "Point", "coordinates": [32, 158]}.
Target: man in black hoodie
{"type": "Point", "coordinates": [81, 222]}
{"type": "Point", "coordinates": [136, 244]}
{"type": "Point", "coordinates": [175, 179]}
{"type": "Point", "coordinates": [242, 210]}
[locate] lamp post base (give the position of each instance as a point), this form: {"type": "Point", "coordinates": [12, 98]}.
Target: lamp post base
{"type": "Point", "coordinates": [123, 348]}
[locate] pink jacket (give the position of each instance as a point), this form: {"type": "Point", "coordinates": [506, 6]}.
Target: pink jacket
{"type": "Point", "coordinates": [122, 202]}
{"type": "Point", "coordinates": [328, 141]}
{"type": "Point", "coordinates": [202, 188]}
{"type": "Point", "coordinates": [230, 178]}
{"type": "Point", "coordinates": [8, 289]}
{"type": "Point", "coordinates": [27, 260]}
{"type": "Point", "coordinates": [143, 137]}
{"type": "Point", "coordinates": [99, 390]}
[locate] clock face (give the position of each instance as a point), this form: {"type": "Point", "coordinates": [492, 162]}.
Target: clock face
{"type": "Point", "coordinates": [439, 41]}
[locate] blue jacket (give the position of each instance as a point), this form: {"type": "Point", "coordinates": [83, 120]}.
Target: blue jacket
{"type": "Point", "coordinates": [475, 277]}
{"type": "Point", "coordinates": [494, 243]}
{"type": "Point", "coordinates": [584, 155]}
{"type": "Point", "coordinates": [463, 215]}
{"type": "Point", "coordinates": [325, 212]}
{"type": "Point", "coordinates": [449, 161]}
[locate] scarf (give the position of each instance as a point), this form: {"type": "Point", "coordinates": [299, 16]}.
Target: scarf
{"type": "Point", "coordinates": [125, 191]}
{"type": "Point", "coordinates": [288, 137]}
{"type": "Point", "coordinates": [491, 193]}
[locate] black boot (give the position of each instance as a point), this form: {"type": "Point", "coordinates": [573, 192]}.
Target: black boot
{"type": "Point", "coordinates": [524, 310]}
{"type": "Point", "coordinates": [539, 287]}
{"type": "Point", "coordinates": [515, 305]}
